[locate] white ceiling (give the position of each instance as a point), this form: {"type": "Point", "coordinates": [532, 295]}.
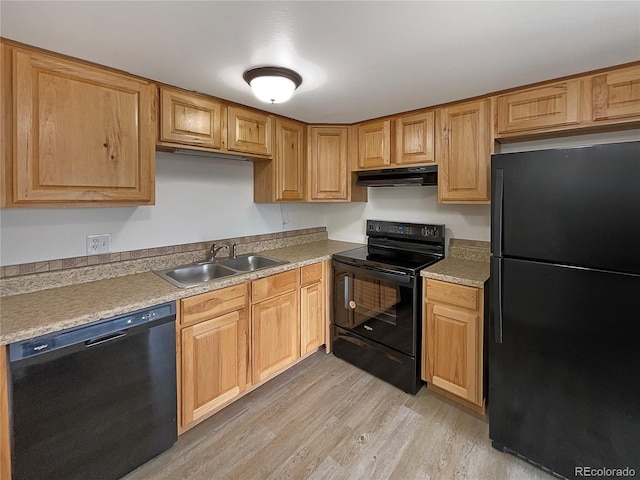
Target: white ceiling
{"type": "Point", "coordinates": [359, 60]}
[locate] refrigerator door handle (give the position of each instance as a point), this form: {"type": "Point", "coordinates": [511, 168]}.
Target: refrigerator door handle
{"type": "Point", "coordinates": [496, 290]}
{"type": "Point", "coordinates": [497, 206]}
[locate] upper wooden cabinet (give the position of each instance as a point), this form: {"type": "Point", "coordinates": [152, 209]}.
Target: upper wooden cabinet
{"type": "Point", "coordinates": [190, 119]}
{"type": "Point", "coordinates": [464, 143]}
{"type": "Point", "coordinates": [398, 141]}
{"type": "Point", "coordinates": [374, 144]}
{"type": "Point", "coordinates": [616, 95]}
{"type": "Point", "coordinates": [283, 178]}
{"type": "Point", "coordinates": [328, 163]}
{"type": "Point", "coordinates": [414, 139]}
{"type": "Point", "coordinates": [537, 108]}
{"type": "Point", "coordinates": [80, 135]}
{"type": "Point", "coordinates": [249, 131]}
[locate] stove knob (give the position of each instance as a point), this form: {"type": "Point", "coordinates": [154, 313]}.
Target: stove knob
{"type": "Point", "coordinates": [377, 227]}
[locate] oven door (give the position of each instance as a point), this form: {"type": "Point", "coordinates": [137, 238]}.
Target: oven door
{"type": "Point", "coordinates": [376, 303]}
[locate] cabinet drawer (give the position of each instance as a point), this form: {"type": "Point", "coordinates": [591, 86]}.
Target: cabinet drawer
{"type": "Point", "coordinates": [274, 285]}
{"type": "Point", "coordinates": [209, 305]}
{"type": "Point", "coordinates": [311, 273]}
{"type": "Point", "coordinates": [460, 295]}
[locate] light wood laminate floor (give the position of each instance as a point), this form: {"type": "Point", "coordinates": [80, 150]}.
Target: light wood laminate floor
{"type": "Point", "coordinates": [325, 419]}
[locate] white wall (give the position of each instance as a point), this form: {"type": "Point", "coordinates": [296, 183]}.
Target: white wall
{"type": "Point", "coordinates": [200, 199]}
{"type": "Point", "coordinates": [197, 199]}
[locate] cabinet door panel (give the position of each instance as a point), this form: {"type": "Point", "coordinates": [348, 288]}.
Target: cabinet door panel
{"type": "Point", "coordinates": [312, 321]}
{"type": "Point", "coordinates": [81, 134]}
{"type": "Point", "coordinates": [289, 160]}
{"type": "Point", "coordinates": [414, 139]}
{"type": "Point", "coordinates": [617, 94]}
{"type": "Point", "coordinates": [374, 140]}
{"type": "Point", "coordinates": [328, 163]}
{"type": "Point", "coordinates": [248, 131]}
{"type": "Point", "coordinates": [452, 353]}
{"type": "Point", "coordinates": [275, 335]}
{"type": "Point", "coordinates": [214, 364]}
{"type": "Point", "coordinates": [190, 119]}
{"type": "Point", "coordinates": [539, 108]}
{"type": "Point", "coordinates": [465, 145]}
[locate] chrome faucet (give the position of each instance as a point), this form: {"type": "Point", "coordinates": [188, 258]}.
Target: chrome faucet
{"type": "Point", "coordinates": [234, 251]}
{"type": "Point", "coordinates": [214, 251]}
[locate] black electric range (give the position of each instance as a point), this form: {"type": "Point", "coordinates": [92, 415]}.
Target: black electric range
{"type": "Point", "coordinates": [377, 308]}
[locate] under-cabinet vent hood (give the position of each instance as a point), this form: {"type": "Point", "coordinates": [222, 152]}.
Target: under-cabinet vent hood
{"type": "Point", "coordinates": [214, 155]}
{"type": "Point", "coordinates": [398, 177]}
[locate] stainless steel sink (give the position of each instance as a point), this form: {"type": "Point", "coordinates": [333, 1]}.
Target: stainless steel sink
{"type": "Point", "coordinates": [186, 276]}
{"type": "Point", "coordinates": [191, 275]}
{"type": "Point", "coordinates": [251, 262]}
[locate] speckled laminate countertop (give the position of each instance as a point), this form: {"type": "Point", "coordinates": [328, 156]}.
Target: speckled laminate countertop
{"type": "Point", "coordinates": [467, 264]}
{"type": "Point", "coordinates": [32, 314]}
{"type": "Point", "coordinates": [459, 270]}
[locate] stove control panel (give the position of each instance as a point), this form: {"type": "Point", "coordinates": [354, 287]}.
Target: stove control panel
{"type": "Point", "coordinates": [377, 228]}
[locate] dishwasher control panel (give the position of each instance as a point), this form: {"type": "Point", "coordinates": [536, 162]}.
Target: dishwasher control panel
{"type": "Point", "coordinates": [91, 334]}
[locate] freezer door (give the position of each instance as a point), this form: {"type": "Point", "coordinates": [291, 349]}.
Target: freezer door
{"type": "Point", "coordinates": [576, 206]}
{"type": "Point", "coordinates": [564, 383]}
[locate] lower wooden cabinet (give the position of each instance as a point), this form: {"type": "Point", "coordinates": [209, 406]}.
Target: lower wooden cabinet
{"type": "Point", "coordinates": [275, 326]}
{"type": "Point", "coordinates": [312, 308]}
{"type": "Point", "coordinates": [214, 351]}
{"type": "Point", "coordinates": [230, 340]}
{"type": "Point", "coordinates": [453, 339]}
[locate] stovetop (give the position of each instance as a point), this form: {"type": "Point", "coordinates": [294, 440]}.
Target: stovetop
{"type": "Point", "coordinates": [404, 247]}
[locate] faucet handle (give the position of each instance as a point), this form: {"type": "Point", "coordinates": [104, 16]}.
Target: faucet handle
{"type": "Point", "coordinates": [234, 251]}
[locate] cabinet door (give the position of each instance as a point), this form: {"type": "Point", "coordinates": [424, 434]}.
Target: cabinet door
{"type": "Point", "coordinates": [289, 160]}
{"type": "Point", "coordinates": [617, 94]}
{"type": "Point", "coordinates": [275, 335]}
{"type": "Point", "coordinates": [214, 364]}
{"type": "Point", "coordinates": [82, 135]}
{"type": "Point", "coordinates": [452, 351]}
{"type": "Point", "coordinates": [539, 108]}
{"type": "Point", "coordinates": [190, 119]}
{"type": "Point", "coordinates": [464, 146]}
{"type": "Point", "coordinates": [374, 140]}
{"type": "Point", "coordinates": [414, 139]}
{"type": "Point", "coordinates": [313, 322]}
{"type": "Point", "coordinates": [328, 163]}
{"type": "Point", "coordinates": [248, 131]}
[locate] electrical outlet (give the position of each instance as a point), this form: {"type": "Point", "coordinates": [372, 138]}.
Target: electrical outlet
{"type": "Point", "coordinates": [97, 244]}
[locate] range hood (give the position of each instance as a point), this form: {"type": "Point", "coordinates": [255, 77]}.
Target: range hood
{"type": "Point", "coordinates": [398, 177]}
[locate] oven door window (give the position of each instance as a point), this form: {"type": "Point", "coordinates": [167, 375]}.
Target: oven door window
{"type": "Point", "coordinates": [378, 309]}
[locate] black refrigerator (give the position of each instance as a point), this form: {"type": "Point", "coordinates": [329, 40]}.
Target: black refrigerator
{"type": "Point", "coordinates": [564, 354]}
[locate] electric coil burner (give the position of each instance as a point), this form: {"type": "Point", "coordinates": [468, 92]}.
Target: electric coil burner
{"type": "Point", "coordinates": [377, 311]}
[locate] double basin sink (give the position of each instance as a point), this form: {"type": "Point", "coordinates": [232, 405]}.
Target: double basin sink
{"type": "Point", "coordinates": [194, 274]}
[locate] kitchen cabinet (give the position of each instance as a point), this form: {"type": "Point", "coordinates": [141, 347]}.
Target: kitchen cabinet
{"type": "Point", "coordinates": [414, 139]}
{"type": "Point", "coordinates": [190, 119]}
{"type": "Point", "coordinates": [5, 445]}
{"type": "Point", "coordinates": [313, 321]}
{"type": "Point", "coordinates": [79, 135]}
{"type": "Point", "coordinates": [275, 324]}
{"type": "Point", "coordinates": [615, 95]}
{"type": "Point", "coordinates": [283, 178]}
{"type": "Point", "coordinates": [214, 336]}
{"type": "Point", "coordinates": [452, 341]}
{"type": "Point", "coordinates": [543, 107]}
{"type": "Point", "coordinates": [328, 161]}
{"type": "Point", "coordinates": [249, 131]}
{"type": "Point", "coordinates": [464, 144]}
{"type": "Point", "coordinates": [374, 144]}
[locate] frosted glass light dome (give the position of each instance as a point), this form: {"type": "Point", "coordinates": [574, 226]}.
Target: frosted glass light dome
{"type": "Point", "coordinates": [272, 84]}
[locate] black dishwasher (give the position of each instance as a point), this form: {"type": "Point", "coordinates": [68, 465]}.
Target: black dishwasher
{"type": "Point", "coordinates": [97, 401]}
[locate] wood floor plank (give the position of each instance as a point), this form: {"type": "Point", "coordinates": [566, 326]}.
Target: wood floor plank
{"type": "Point", "coordinates": [325, 419]}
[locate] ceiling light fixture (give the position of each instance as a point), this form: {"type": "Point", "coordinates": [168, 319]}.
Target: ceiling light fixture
{"type": "Point", "coordinates": [272, 84]}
